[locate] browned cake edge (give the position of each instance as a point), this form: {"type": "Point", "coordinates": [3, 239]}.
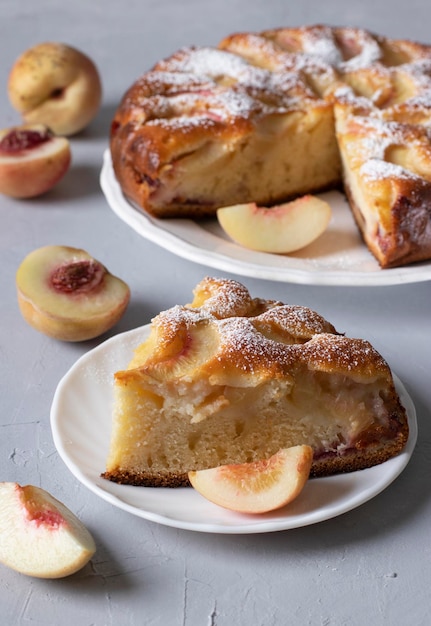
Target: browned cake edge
{"type": "Point", "coordinates": [413, 251]}
{"type": "Point", "coordinates": [207, 209]}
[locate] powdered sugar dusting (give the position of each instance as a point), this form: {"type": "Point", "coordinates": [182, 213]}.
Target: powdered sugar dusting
{"type": "Point", "coordinates": [243, 345]}
{"type": "Point", "coordinates": [231, 86]}
{"type": "Point", "coordinates": [329, 352]}
{"type": "Point", "coordinates": [379, 169]}
{"type": "Point", "coordinates": [205, 86]}
{"type": "Point", "coordinates": [207, 62]}
{"type": "Point", "coordinates": [303, 336]}
{"type": "Point", "coordinates": [369, 50]}
{"type": "Point", "coordinates": [292, 323]}
{"type": "Point", "coordinates": [321, 44]}
{"type": "Point", "coordinates": [168, 82]}
{"type": "Point", "coordinates": [422, 101]}
{"type": "Point", "coordinates": [379, 135]}
{"type": "Point", "coordinates": [222, 298]}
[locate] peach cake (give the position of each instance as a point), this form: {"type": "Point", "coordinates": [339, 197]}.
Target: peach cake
{"type": "Point", "coordinates": [265, 117]}
{"type": "Point", "coordinates": [233, 379]}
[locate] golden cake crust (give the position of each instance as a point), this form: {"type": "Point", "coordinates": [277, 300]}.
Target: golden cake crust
{"type": "Point", "coordinates": [231, 379]}
{"type": "Point", "coordinates": [268, 116]}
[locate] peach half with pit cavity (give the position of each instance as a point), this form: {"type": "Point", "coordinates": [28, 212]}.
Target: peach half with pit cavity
{"type": "Point", "coordinates": [32, 160]}
{"type": "Point", "coordinates": [67, 294]}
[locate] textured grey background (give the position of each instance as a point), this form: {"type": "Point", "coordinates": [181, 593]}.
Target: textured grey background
{"type": "Point", "coordinates": [372, 565]}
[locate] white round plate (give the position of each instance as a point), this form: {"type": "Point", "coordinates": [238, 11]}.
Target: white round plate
{"type": "Point", "coordinates": [81, 426]}
{"type": "Point", "coordinates": [338, 257]}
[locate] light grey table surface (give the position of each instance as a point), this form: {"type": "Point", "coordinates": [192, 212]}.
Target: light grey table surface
{"type": "Point", "coordinates": [371, 565]}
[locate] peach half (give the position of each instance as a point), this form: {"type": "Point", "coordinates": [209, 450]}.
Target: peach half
{"type": "Point", "coordinates": [65, 293]}
{"type": "Point", "coordinates": [32, 160]}
{"type": "Point", "coordinates": [256, 487]}
{"type": "Point", "coordinates": [279, 229]}
{"type": "Point", "coordinates": [40, 536]}
{"type": "Point", "coordinates": [57, 85]}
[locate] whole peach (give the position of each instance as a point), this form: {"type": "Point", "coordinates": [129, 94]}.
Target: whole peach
{"type": "Point", "coordinates": [57, 85]}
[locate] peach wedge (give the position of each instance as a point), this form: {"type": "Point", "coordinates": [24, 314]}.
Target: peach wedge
{"type": "Point", "coordinates": [40, 536]}
{"type": "Point", "coordinates": [256, 487]}
{"type": "Point", "coordinates": [66, 294]}
{"type": "Point", "coordinates": [279, 229]}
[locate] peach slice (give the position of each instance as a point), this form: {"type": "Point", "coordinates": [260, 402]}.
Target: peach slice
{"type": "Point", "coordinates": [40, 536]}
{"type": "Point", "coordinates": [66, 294]}
{"type": "Point", "coordinates": [32, 160]}
{"type": "Point", "coordinates": [256, 487]}
{"type": "Point", "coordinates": [57, 85]}
{"type": "Point", "coordinates": [279, 229]}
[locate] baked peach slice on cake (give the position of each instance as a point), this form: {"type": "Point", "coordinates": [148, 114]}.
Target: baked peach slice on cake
{"type": "Point", "coordinates": [32, 160]}
{"type": "Point", "coordinates": [256, 487]}
{"type": "Point", "coordinates": [40, 536]}
{"type": "Point", "coordinates": [57, 85]}
{"type": "Point", "coordinates": [67, 294]}
{"type": "Point", "coordinates": [279, 229]}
